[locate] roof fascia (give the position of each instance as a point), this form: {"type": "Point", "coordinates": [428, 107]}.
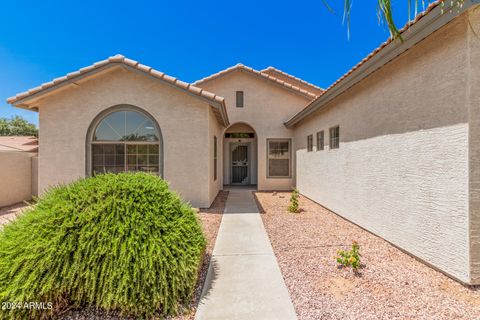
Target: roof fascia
{"type": "Point", "coordinates": [428, 24]}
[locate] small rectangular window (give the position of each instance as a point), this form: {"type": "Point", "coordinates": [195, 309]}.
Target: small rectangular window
{"type": "Point", "coordinates": [278, 158]}
{"type": "Point", "coordinates": [240, 135]}
{"type": "Point", "coordinates": [309, 143]}
{"type": "Point", "coordinates": [215, 158]}
{"type": "Point", "coordinates": [320, 140]}
{"type": "Point", "coordinates": [335, 137]}
{"type": "Point", "coordinates": [239, 99]}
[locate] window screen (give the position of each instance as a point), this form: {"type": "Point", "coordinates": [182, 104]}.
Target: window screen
{"type": "Point", "coordinates": [309, 143]}
{"type": "Point", "coordinates": [125, 140]}
{"type": "Point", "coordinates": [320, 140]}
{"type": "Point", "coordinates": [278, 158]}
{"type": "Point", "coordinates": [335, 137]}
{"type": "Point", "coordinates": [108, 157]}
{"type": "Point", "coordinates": [239, 99]}
{"type": "Point", "coordinates": [215, 151]}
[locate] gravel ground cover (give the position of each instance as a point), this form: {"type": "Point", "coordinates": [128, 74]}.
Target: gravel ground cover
{"type": "Point", "coordinates": [210, 219]}
{"type": "Point", "coordinates": [391, 285]}
{"type": "Point", "coordinates": [10, 213]}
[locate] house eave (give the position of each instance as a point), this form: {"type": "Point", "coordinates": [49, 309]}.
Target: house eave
{"type": "Point", "coordinates": [426, 25]}
{"type": "Point", "coordinates": [30, 98]}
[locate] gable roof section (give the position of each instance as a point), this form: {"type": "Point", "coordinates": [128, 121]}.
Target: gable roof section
{"type": "Point", "coordinates": [242, 68]}
{"type": "Point", "coordinates": [21, 100]}
{"type": "Point", "coordinates": [433, 18]}
{"type": "Point", "coordinates": [282, 75]}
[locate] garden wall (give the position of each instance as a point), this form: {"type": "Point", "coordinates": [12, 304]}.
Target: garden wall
{"type": "Point", "coordinates": [17, 177]}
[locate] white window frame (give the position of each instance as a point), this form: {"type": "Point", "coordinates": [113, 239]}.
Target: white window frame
{"type": "Point", "coordinates": [96, 121]}
{"type": "Point", "coordinates": [289, 141]}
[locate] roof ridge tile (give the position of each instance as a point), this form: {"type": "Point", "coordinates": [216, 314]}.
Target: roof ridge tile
{"type": "Point", "coordinates": [240, 66]}
{"type": "Point", "coordinates": [270, 68]}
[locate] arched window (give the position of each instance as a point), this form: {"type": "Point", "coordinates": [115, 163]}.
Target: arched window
{"type": "Point", "coordinates": [124, 138]}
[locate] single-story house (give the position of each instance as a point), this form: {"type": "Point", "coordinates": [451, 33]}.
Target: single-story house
{"type": "Point", "coordinates": [393, 145]}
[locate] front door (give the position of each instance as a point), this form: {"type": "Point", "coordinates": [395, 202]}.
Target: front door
{"type": "Point", "coordinates": [239, 156]}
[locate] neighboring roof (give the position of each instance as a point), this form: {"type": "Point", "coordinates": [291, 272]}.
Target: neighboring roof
{"type": "Point", "coordinates": [242, 68]}
{"type": "Point", "coordinates": [281, 75]}
{"type": "Point", "coordinates": [433, 18]}
{"type": "Point", "coordinates": [22, 99]}
{"type": "Point", "coordinates": [19, 143]}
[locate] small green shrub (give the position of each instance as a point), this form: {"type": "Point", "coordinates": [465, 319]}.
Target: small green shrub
{"type": "Point", "coordinates": [293, 207]}
{"type": "Point", "coordinates": [349, 258]}
{"type": "Point", "coordinates": [121, 242]}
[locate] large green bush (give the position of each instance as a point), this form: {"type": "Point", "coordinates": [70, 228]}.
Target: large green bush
{"type": "Point", "coordinates": [120, 242]}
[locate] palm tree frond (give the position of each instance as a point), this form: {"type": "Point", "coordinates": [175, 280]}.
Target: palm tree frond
{"type": "Point", "coordinates": [385, 12]}
{"type": "Point", "coordinates": [346, 15]}
{"type": "Point", "coordinates": [384, 9]}
{"type": "Point", "coordinates": [325, 3]}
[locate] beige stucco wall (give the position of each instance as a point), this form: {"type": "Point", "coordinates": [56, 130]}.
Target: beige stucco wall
{"type": "Point", "coordinates": [473, 100]}
{"type": "Point", "coordinates": [35, 175]}
{"type": "Point", "coordinates": [402, 167]}
{"type": "Point", "coordinates": [15, 177]}
{"type": "Point", "coordinates": [266, 107]}
{"type": "Point", "coordinates": [183, 119]}
{"type": "Point", "coordinates": [215, 130]}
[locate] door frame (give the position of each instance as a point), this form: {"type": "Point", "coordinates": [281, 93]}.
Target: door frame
{"type": "Point", "coordinates": [249, 148]}
{"type": "Point", "coordinates": [253, 163]}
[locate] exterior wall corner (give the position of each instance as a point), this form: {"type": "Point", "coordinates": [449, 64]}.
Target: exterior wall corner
{"type": "Point", "coordinates": [473, 103]}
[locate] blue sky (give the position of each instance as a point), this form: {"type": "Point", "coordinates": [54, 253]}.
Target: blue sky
{"type": "Point", "coordinates": [41, 40]}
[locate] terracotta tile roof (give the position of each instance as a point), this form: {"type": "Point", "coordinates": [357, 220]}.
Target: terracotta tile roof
{"type": "Point", "coordinates": [384, 44]}
{"type": "Point", "coordinates": [19, 143]}
{"type": "Point", "coordinates": [282, 75]}
{"type": "Point", "coordinates": [241, 67]}
{"type": "Point", "coordinates": [118, 59]}
{"type": "Point", "coordinates": [376, 51]}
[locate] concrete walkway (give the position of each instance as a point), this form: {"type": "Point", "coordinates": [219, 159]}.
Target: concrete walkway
{"type": "Point", "coordinates": [243, 280]}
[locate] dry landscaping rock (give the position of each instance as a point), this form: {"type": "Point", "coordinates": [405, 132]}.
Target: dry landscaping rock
{"type": "Point", "coordinates": [392, 284]}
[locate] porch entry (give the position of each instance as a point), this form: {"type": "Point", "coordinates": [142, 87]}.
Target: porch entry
{"type": "Point", "coordinates": [240, 163]}
{"type": "Point", "coordinates": [240, 155]}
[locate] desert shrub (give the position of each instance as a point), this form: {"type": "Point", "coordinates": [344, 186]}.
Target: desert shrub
{"type": "Point", "coordinates": [293, 207]}
{"type": "Point", "coordinates": [349, 258]}
{"type": "Point", "coordinates": [121, 242]}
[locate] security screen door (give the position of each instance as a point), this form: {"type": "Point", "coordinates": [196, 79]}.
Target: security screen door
{"type": "Point", "coordinates": [239, 160]}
